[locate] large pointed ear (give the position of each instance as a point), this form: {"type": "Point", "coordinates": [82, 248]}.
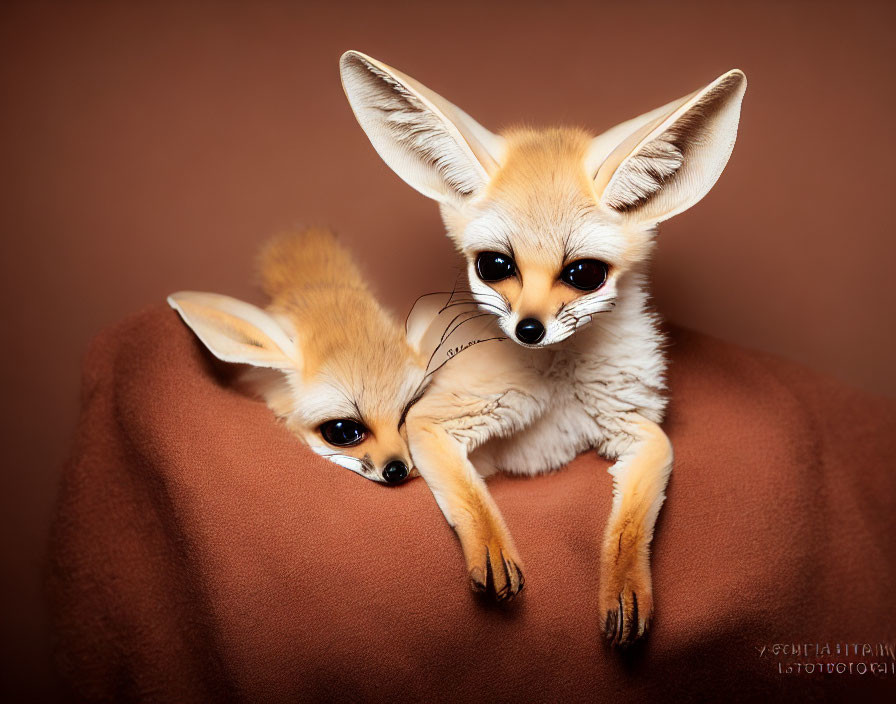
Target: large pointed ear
{"type": "Point", "coordinates": [235, 331]}
{"type": "Point", "coordinates": [665, 161]}
{"type": "Point", "coordinates": [433, 145]}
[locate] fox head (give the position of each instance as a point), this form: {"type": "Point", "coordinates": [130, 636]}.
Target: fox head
{"type": "Point", "coordinates": [334, 366]}
{"type": "Point", "coordinates": [548, 220]}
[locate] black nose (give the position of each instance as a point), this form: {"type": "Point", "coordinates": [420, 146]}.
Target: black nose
{"type": "Point", "coordinates": [530, 331]}
{"type": "Point", "coordinates": [396, 471]}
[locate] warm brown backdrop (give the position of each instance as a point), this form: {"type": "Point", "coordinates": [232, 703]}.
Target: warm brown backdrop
{"type": "Point", "coordinates": [150, 147]}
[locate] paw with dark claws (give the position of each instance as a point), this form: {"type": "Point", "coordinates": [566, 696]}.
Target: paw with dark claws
{"type": "Point", "coordinates": [626, 593]}
{"type": "Point", "coordinates": [493, 571]}
{"type": "Point", "coordinates": [628, 618]}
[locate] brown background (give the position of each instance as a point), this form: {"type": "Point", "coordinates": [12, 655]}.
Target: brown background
{"type": "Point", "coordinates": [151, 147]}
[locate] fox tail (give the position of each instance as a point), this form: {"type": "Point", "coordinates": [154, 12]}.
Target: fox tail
{"type": "Point", "coordinates": [306, 258]}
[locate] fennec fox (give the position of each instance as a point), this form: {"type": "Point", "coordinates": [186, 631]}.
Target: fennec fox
{"type": "Point", "coordinates": [327, 359]}
{"type": "Point", "coordinates": [556, 227]}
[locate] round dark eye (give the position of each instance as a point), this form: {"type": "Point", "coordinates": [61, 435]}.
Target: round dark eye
{"type": "Point", "coordinates": [585, 274]}
{"type": "Point", "coordinates": [343, 432]}
{"type": "Point", "coordinates": [494, 266]}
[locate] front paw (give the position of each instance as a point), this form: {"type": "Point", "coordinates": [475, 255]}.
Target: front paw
{"type": "Point", "coordinates": [495, 570]}
{"type": "Point", "coordinates": [626, 603]}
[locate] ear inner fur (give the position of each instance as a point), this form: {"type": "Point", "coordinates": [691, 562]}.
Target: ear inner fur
{"type": "Point", "coordinates": [235, 331]}
{"type": "Point", "coordinates": [431, 144]}
{"type": "Point", "coordinates": [669, 164]}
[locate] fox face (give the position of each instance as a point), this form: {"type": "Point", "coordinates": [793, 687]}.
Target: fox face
{"type": "Point", "coordinates": [548, 220]}
{"type": "Point", "coordinates": [349, 398]}
{"type": "Point", "coordinates": [540, 253]}
{"type": "Point", "coordinates": [329, 362]}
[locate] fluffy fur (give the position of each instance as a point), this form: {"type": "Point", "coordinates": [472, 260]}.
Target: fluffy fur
{"type": "Point", "coordinates": [596, 379]}
{"type": "Point", "coordinates": [324, 349]}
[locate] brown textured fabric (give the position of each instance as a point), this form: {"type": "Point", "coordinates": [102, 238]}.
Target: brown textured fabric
{"type": "Point", "coordinates": [201, 552]}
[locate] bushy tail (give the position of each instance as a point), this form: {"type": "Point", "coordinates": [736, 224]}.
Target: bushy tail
{"type": "Point", "coordinates": [299, 259]}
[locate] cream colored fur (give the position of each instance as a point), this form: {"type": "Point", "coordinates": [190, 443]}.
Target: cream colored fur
{"type": "Point", "coordinates": [596, 380]}
{"type": "Point", "coordinates": [323, 350]}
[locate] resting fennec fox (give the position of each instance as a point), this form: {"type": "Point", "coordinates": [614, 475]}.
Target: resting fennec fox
{"type": "Point", "coordinates": [556, 227]}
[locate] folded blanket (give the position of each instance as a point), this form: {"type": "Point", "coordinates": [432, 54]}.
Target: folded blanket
{"type": "Point", "coordinates": [201, 552]}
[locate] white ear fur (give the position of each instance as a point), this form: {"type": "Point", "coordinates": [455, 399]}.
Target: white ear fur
{"type": "Point", "coordinates": [604, 144]}
{"type": "Point", "coordinates": [235, 331]}
{"type": "Point", "coordinates": [431, 144]}
{"type": "Point", "coordinates": [665, 161]}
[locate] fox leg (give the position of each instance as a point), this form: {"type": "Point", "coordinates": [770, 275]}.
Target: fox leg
{"type": "Point", "coordinates": [640, 475]}
{"type": "Point", "coordinates": [493, 563]}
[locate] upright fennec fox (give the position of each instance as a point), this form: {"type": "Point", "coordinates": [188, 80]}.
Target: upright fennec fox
{"type": "Point", "coordinates": [326, 358]}
{"type": "Point", "coordinates": [556, 226]}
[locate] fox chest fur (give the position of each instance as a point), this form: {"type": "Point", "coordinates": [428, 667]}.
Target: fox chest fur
{"type": "Point", "coordinates": [527, 411]}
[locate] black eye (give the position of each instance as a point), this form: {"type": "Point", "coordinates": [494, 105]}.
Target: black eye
{"type": "Point", "coordinates": [585, 274]}
{"type": "Point", "coordinates": [494, 266]}
{"type": "Point", "coordinates": [343, 433]}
